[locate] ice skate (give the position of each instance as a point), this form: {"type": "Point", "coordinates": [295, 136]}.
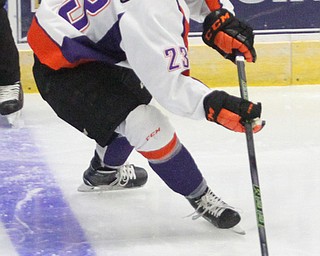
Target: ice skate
{"type": "Point", "coordinates": [99, 178]}
{"type": "Point", "coordinates": [11, 103]}
{"type": "Point", "coordinates": [214, 210]}
{"type": "Point", "coordinates": [11, 98]}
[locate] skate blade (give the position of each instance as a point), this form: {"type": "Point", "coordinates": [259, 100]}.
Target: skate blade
{"type": "Point", "coordinates": [14, 120]}
{"type": "Point", "coordinates": [238, 230]}
{"type": "Point", "coordinates": [85, 188]}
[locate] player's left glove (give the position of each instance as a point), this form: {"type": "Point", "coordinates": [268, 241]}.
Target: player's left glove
{"type": "Point", "coordinates": [231, 112]}
{"type": "Point", "coordinates": [225, 33]}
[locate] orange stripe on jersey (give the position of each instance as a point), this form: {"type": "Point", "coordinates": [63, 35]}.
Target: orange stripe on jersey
{"type": "Point", "coordinates": [162, 152]}
{"type": "Point", "coordinates": [185, 34]}
{"type": "Point", "coordinates": [48, 52]}
{"type": "Point", "coordinates": [213, 4]}
{"type": "Point", "coordinates": [186, 72]}
{"type": "Point", "coordinates": [186, 27]}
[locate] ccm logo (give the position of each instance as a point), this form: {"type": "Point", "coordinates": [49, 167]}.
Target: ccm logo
{"type": "Point", "coordinates": [217, 24]}
{"type": "Point", "coordinates": [154, 133]}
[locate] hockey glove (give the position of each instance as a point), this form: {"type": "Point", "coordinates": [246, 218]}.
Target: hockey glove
{"type": "Point", "coordinates": [231, 112]}
{"type": "Point", "coordinates": [228, 35]}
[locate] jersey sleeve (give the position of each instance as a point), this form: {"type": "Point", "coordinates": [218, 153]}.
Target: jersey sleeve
{"type": "Point", "coordinates": [199, 9]}
{"type": "Point", "coordinates": [156, 49]}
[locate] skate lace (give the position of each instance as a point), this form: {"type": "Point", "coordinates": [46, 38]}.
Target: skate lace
{"type": "Point", "coordinates": [210, 203]}
{"type": "Point", "coordinates": [9, 92]}
{"type": "Point", "coordinates": [124, 175]}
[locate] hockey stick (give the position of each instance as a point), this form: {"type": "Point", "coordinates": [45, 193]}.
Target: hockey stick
{"type": "Point", "coordinates": [252, 160]}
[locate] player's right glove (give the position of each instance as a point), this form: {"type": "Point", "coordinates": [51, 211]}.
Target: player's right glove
{"type": "Point", "coordinates": [225, 33]}
{"type": "Point", "coordinates": [231, 112]}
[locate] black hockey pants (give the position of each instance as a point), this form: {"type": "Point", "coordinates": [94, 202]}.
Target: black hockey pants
{"type": "Point", "coordinates": [93, 97]}
{"type": "Point", "coordinates": [9, 56]}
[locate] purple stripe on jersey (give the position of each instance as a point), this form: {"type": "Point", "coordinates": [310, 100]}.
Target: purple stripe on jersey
{"type": "Point", "coordinates": [82, 48]}
{"type": "Point", "coordinates": [110, 43]}
{"type": "Point", "coordinates": [107, 49]}
{"type": "Point", "coordinates": [32, 209]}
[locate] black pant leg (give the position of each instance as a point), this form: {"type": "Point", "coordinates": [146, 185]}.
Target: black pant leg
{"type": "Point", "coordinates": [9, 56]}
{"type": "Point", "coordinates": [92, 97]}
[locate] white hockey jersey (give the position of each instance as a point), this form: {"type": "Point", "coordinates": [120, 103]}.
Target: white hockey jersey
{"type": "Point", "coordinates": [149, 36]}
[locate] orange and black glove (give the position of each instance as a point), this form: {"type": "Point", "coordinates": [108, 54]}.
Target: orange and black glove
{"type": "Point", "coordinates": [225, 33]}
{"type": "Point", "coordinates": [231, 112]}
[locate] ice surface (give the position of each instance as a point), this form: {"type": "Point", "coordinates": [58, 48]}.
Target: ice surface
{"type": "Point", "coordinates": [150, 221]}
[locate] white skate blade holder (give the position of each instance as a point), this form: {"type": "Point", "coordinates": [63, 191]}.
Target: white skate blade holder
{"type": "Point", "coordinates": [15, 119]}
{"type": "Point", "coordinates": [238, 229]}
{"type": "Point", "coordinates": [85, 188]}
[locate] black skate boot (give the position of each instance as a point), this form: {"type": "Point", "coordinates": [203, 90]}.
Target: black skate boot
{"type": "Point", "coordinates": [99, 178]}
{"type": "Point", "coordinates": [11, 98]}
{"type": "Point", "coordinates": [214, 210]}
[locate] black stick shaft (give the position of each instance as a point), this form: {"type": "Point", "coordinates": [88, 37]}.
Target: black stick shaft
{"type": "Point", "coordinates": [252, 161]}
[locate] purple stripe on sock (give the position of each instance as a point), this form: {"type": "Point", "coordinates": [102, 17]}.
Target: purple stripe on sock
{"type": "Point", "coordinates": [32, 209]}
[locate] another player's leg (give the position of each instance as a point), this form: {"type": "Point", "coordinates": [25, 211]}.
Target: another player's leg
{"type": "Point", "coordinates": [108, 169]}
{"type": "Point", "coordinates": [158, 142]}
{"type": "Point", "coordinates": [11, 94]}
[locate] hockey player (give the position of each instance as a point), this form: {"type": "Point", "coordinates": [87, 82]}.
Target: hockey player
{"type": "Point", "coordinates": [11, 94]}
{"type": "Point", "coordinates": [99, 63]}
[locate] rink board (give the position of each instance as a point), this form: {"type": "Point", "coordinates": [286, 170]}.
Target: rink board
{"type": "Point", "coordinates": [281, 62]}
{"type": "Point", "coordinates": [278, 64]}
